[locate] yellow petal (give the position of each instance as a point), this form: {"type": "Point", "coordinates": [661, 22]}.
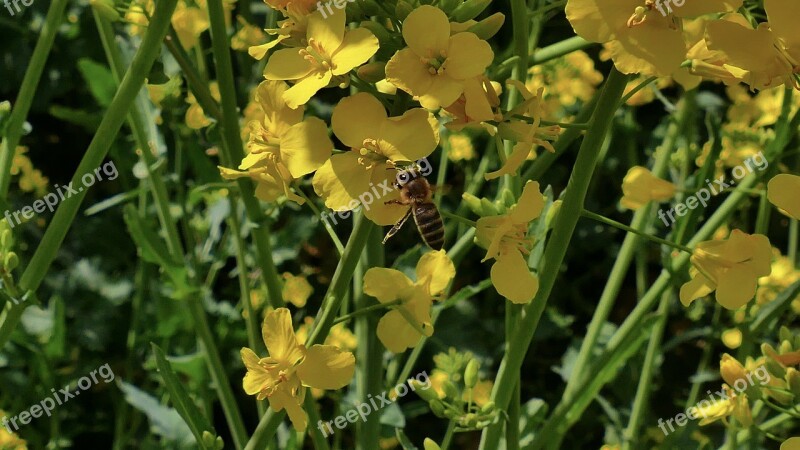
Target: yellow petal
{"type": "Point", "coordinates": [374, 200]}
{"type": "Point", "coordinates": [304, 89]}
{"type": "Point", "coordinates": [357, 48]}
{"type": "Point", "coordinates": [410, 137]}
{"type": "Point", "coordinates": [287, 64]}
{"type": "Point", "coordinates": [385, 284]}
{"type": "Point", "coordinates": [260, 51]}
{"type": "Point", "coordinates": [341, 180]}
{"type": "Point", "coordinates": [490, 230]}
{"type": "Point", "coordinates": [326, 367]}
{"type": "Point", "coordinates": [443, 92]}
{"type": "Point", "coordinates": [783, 191]}
{"type": "Point", "coordinates": [257, 376]}
{"type": "Point", "coordinates": [477, 105]}
{"type": "Point", "coordinates": [530, 204]}
{"type": "Point", "coordinates": [467, 57]}
{"type": "Point", "coordinates": [513, 279]}
{"type": "Point", "coordinates": [791, 444]}
{"type": "Point", "coordinates": [279, 336]}
{"type": "Point", "coordinates": [736, 287]}
{"type": "Point", "coordinates": [395, 331]}
{"type": "Point", "coordinates": [327, 31]}
{"type": "Point", "coordinates": [596, 20]}
{"type": "Point", "coordinates": [640, 186]}
{"type": "Point", "coordinates": [284, 400]}
{"type": "Point", "coordinates": [514, 161]}
{"type": "Point", "coordinates": [748, 49]}
{"type": "Point", "coordinates": [426, 31]}
{"type": "Point", "coordinates": [696, 9]}
{"type": "Point", "coordinates": [305, 147]}
{"type": "Point", "coordinates": [296, 289]}
{"type": "Point", "coordinates": [357, 118]}
{"type": "Point", "coordinates": [435, 269]}
{"type": "Point", "coordinates": [782, 15]}
{"type": "Point", "coordinates": [278, 116]}
{"type": "Point", "coordinates": [407, 72]}
{"type": "Point", "coordinates": [698, 286]}
{"type": "Point", "coordinates": [657, 43]}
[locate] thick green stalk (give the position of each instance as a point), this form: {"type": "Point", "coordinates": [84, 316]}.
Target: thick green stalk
{"type": "Point", "coordinates": [369, 352]}
{"type": "Point", "coordinates": [232, 151]}
{"type": "Point", "coordinates": [548, 53]}
{"type": "Point", "coordinates": [27, 92]}
{"type": "Point", "coordinates": [98, 148]}
{"type": "Point", "coordinates": [324, 320]}
{"type": "Point", "coordinates": [565, 222]}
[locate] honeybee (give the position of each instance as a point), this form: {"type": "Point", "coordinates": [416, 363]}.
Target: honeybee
{"type": "Point", "coordinates": [415, 191]}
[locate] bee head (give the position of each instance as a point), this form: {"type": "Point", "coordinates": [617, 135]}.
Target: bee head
{"type": "Point", "coordinates": [403, 177]}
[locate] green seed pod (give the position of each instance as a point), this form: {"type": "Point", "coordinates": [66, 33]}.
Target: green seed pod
{"type": "Point", "coordinates": [372, 72]}
{"type": "Point", "coordinates": [487, 408]}
{"type": "Point", "coordinates": [471, 373]}
{"type": "Point", "coordinates": [507, 198]}
{"type": "Point", "coordinates": [450, 389]}
{"type": "Point", "coordinates": [106, 9]}
{"type": "Point", "coordinates": [489, 208]}
{"type": "Point", "coordinates": [552, 213]}
{"type": "Point", "coordinates": [489, 26]}
{"type": "Point", "coordinates": [437, 407]}
{"type": "Point", "coordinates": [469, 10]}
{"type": "Point", "coordinates": [10, 262]}
{"type": "Point", "coordinates": [775, 368]}
{"type": "Point", "coordinates": [209, 439]}
{"type": "Point", "coordinates": [429, 444]}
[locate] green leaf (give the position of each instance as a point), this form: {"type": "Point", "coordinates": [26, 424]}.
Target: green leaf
{"type": "Point", "coordinates": [165, 421]}
{"type": "Point", "coordinates": [196, 421]}
{"type": "Point", "coordinates": [99, 80]}
{"type": "Point", "coordinates": [153, 250]}
{"type": "Point", "coordinates": [772, 309]}
{"type": "Point", "coordinates": [89, 121]}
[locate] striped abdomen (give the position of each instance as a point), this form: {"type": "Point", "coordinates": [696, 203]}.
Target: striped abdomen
{"type": "Point", "coordinates": [429, 224]}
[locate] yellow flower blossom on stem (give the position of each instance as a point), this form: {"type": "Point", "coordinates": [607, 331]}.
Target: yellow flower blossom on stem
{"type": "Point", "coordinates": [330, 52]}
{"type": "Point", "coordinates": [731, 267]}
{"type": "Point", "coordinates": [189, 23]}
{"type": "Point", "coordinates": [782, 191]}
{"type": "Point", "coordinates": [248, 36]}
{"type": "Point", "coordinates": [527, 135]}
{"type": "Point", "coordinates": [282, 377]}
{"type": "Point", "coordinates": [195, 116]}
{"type": "Point", "coordinates": [296, 289]}
{"type": "Point", "coordinates": [436, 66]}
{"type": "Point", "coordinates": [376, 142]}
{"type": "Point", "coordinates": [282, 146]}
{"type": "Point", "coordinates": [735, 405]}
{"type": "Point", "coordinates": [410, 319]}
{"type": "Point", "coordinates": [504, 238]}
{"type": "Point", "coordinates": [766, 56]}
{"type": "Point", "coordinates": [640, 187]}
{"type": "Point", "coordinates": [641, 38]}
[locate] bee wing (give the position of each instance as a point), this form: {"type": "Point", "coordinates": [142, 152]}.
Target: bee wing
{"type": "Point", "coordinates": [397, 226]}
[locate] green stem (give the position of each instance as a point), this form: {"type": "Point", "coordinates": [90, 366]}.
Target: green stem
{"type": "Point", "coordinates": [197, 85]}
{"type": "Point", "coordinates": [565, 223]}
{"type": "Point", "coordinates": [448, 435]}
{"type": "Point", "coordinates": [365, 310]}
{"type": "Point", "coordinates": [638, 88]}
{"type": "Point", "coordinates": [232, 150]}
{"type": "Point", "coordinates": [624, 227]}
{"type": "Point", "coordinates": [545, 54]}
{"type": "Point", "coordinates": [92, 158]}
{"type": "Point", "coordinates": [27, 92]}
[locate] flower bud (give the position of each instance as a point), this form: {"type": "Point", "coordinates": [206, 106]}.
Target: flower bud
{"type": "Point", "coordinates": [785, 334]}
{"type": "Point", "coordinates": [426, 394]}
{"type": "Point", "coordinates": [11, 261]}
{"type": "Point", "coordinates": [471, 373]}
{"type": "Point", "coordinates": [6, 239]}
{"type": "Point", "coordinates": [490, 209]}
{"type": "Point", "coordinates": [450, 389]}
{"type": "Point", "coordinates": [473, 203]}
{"type": "Point", "coordinates": [372, 72]}
{"type": "Point", "coordinates": [488, 407]}
{"type": "Point", "coordinates": [106, 9]}
{"type": "Point", "coordinates": [437, 407]}
{"type": "Point", "coordinates": [429, 444]}
{"type": "Point", "coordinates": [552, 212]}
{"type": "Point", "coordinates": [785, 347]}
{"type": "Point", "coordinates": [731, 370]}
{"type": "Point", "coordinates": [403, 9]}
{"type": "Point", "coordinates": [489, 26]}
{"type": "Point", "coordinates": [469, 10]}
{"type": "Point", "coordinates": [775, 368]}
{"type": "Point", "coordinates": [793, 380]}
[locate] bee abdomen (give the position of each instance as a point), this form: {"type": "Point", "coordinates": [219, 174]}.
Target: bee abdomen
{"type": "Point", "coordinates": [430, 226]}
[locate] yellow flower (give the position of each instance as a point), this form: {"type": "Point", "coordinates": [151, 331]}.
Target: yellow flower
{"type": "Point", "coordinates": [732, 338]}
{"type": "Point", "coordinates": [30, 179]}
{"type": "Point", "coordinates": [460, 147]}
{"type": "Point", "coordinates": [640, 187]}
{"type": "Point", "coordinates": [10, 441]}
{"type": "Point", "coordinates": [640, 37]}
{"type": "Point", "coordinates": [763, 57]}
{"type": "Point", "coordinates": [731, 267]}
{"type": "Point", "coordinates": [195, 116]}
{"type": "Point", "coordinates": [479, 102]}
{"type": "Point", "coordinates": [189, 23]}
{"type": "Point", "coordinates": [290, 367]}
{"type": "Point", "coordinates": [296, 289]}
{"type": "Point", "coordinates": [248, 36]}
{"type": "Point", "coordinates": [731, 370]}
{"type": "Point", "coordinates": [410, 319]}
{"type": "Point", "coordinates": [376, 142]}
{"type": "Point", "coordinates": [782, 191]}
{"type": "Point", "coordinates": [159, 92]}
{"type": "Point", "coordinates": [435, 66]}
{"type": "Point", "coordinates": [736, 405]}
{"type": "Point", "coordinates": [331, 52]}
{"type": "Point", "coordinates": [526, 135]}
{"type": "Point", "coordinates": [504, 238]}
{"type": "Point", "coordinates": [282, 146]}
{"type": "Point", "coordinates": [570, 78]}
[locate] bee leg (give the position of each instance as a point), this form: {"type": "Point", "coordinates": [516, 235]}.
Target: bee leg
{"type": "Point", "coordinates": [394, 202]}
{"type": "Point", "coordinates": [397, 226]}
